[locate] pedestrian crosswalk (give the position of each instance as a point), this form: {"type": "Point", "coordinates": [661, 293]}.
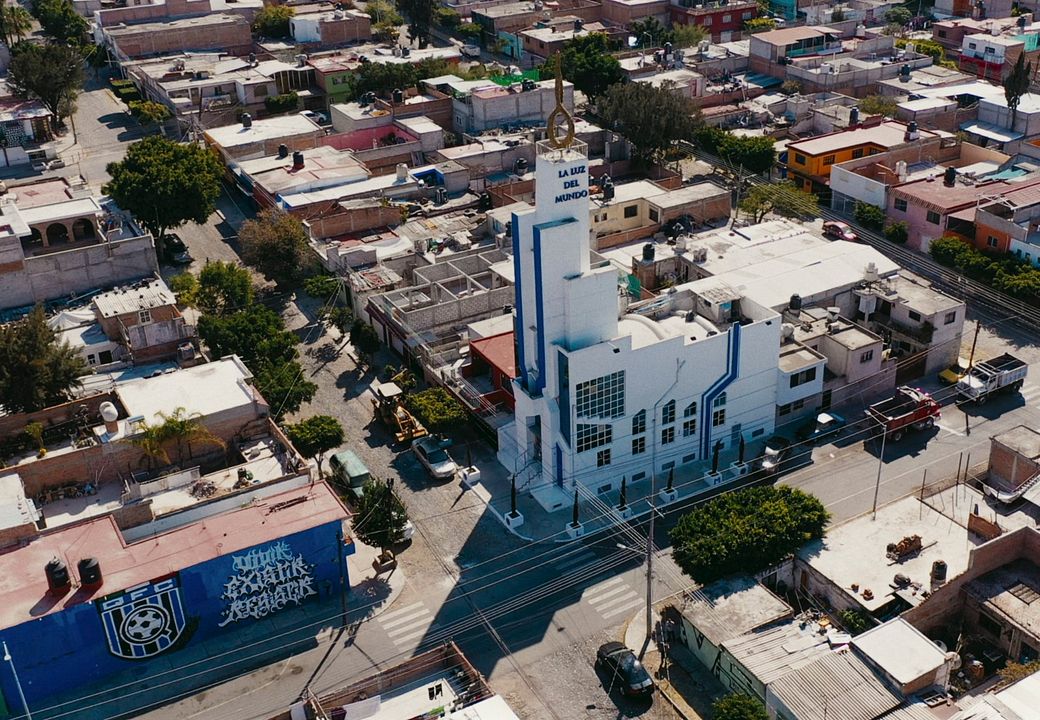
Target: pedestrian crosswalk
{"type": "Point", "coordinates": [573, 563]}
{"type": "Point", "coordinates": [407, 625]}
{"type": "Point", "coordinates": [1030, 393]}
{"type": "Point", "coordinates": [612, 597]}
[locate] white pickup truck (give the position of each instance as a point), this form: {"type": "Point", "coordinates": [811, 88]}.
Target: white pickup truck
{"type": "Point", "coordinates": [1003, 373]}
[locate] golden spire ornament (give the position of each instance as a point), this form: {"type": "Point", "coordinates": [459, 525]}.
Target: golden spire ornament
{"type": "Point", "coordinates": [560, 114]}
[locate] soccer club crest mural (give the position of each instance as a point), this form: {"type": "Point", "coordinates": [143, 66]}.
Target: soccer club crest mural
{"type": "Point", "coordinates": [143, 621]}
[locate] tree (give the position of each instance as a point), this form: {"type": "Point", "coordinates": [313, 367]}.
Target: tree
{"type": "Point", "coordinates": [791, 87]}
{"type": "Point", "coordinates": [878, 105]}
{"type": "Point", "coordinates": [1016, 84]}
{"type": "Point", "coordinates": [341, 318]}
{"type": "Point", "coordinates": [275, 243]}
{"type": "Point", "coordinates": [60, 21]}
{"type": "Point", "coordinates": [759, 25]}
{"type": "Point", "coordinates": [315, 436]}
{"type": "Point", "coordinates": [36, 371]}
{"type": "Point", "coordinates": [284, 387]}
{"type": "Point", "coordinates": [650, 26]}
{"type": "Point", "coordinates": [273, 21]}
{"type": "Point", "coordinates": [855, 621]}
{"type": "Point", "coordinates": [738, 707]}
{"type": "Point", "coordinates": [364, 338]}
{"type": "Point", "coordinates": [925, 47]}
{"type": "Point", "coordinates": [753, 154]}
{"type": "Point", "coordinates": [437, 409]}
{"type": "Point", "coordinates": [687, 36]}
{"type": "Point", "coordinates": [837, 14]}
{"type": "Point", "coordinates": [17, 23]}
{"type": "Point", "coordinates": [321, 286]}
{"type": "Point", "coordinates": [149, 112]}
{"type": "Point", "coordinates": [623, 107]}
{"type": "Point", "coordinates": [165, 184]}
{"type": "Point", "coordinates": [381, 11]}
{"type": "Point", "coordinates": [588, 64]}
{"type": "Point", "coordinates": [870, 216]}
{"type": "Point", "coordinates": [782, 198]}
{"type": "Point", "coordinates": [51, 73]}
{"type": "Point", "coordinates": [420, 19]}
{"type": "Point", "coordinates": [178, 427]}
{"type": "Point", "coordinates": [897, 232]}
{"type": "Point", "coordinates": [380, 516]}
{"type": "Point", "coordinates": [745, 531]}
{"type": "Point", "coordinates": [223, 287]}
{"type": "Point", "coordinates": [1012, 672]}
{"type": "Point", "coordinates": [899, 16]}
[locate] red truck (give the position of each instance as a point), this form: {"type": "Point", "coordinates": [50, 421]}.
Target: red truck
{"type": "Point", "coordinates": [911, 409]}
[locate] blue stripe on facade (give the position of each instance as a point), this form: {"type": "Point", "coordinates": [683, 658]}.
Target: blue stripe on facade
{"type": "Point", "coordinates": [518, 304]}
{"type": "Point", "coordinates": [539, 384]}
{"type": "Point", "coordinates": [718, 387]}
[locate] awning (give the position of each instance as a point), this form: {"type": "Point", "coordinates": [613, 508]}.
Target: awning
{"type": "Point", "coordinates": [988, 130]}
{"type": "Point", "coordinates": [967, 215]}
{"type": "Point", "coordinates": [761, 80]}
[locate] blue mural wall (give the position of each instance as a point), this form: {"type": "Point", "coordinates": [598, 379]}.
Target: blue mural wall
{"type": "Point", "coordinates": [143, 628]}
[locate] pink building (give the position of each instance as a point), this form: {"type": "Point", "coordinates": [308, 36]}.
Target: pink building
{"type": "Point", "coordinates": [939, 206]}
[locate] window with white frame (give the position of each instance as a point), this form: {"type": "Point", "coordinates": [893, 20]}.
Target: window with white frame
{"type": "Point", "coordinates": [602, 397]}
{"type": "Point", "coordinates": [144, 316]}
{"type": "Point", "coordinates": [603, 458]}
{"type": "Point", "coordinates": [668, 412]}
{"type": "Point", "coordinates": [639, 422]}
{"type": "Point", "coordinates": [689, 427]}
{"type": "Point", "coordinates": [720, 401]}
{"type": "Point", "coordinates": [639, 445]}
{"type": "Point", "coordinates": [667, 436]}
{"type": "Point", "coordinates": [718, 417]}
{"type": "Point", "coordinates": [594, 436]}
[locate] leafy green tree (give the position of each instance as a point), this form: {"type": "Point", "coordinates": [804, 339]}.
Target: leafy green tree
{"type": "Point", "coordinates": [753, 154]}
{"type": "Point", "coordinates": [284, 387]}
{"type": "Point", "coordinates": [16, 24]}
{"type": "Point", "coordinates": [623, 107]}
{"type": "Point", "coordinates": [783, 198]}
{"type": "Point", "coordinates": [759, 25]}
{"type": "Point", "coordinates": [51, 73]}
{"type": "Point", "coordinates": [36, 370]}
{"type": "Point", "coordinates": [286, 102]}
{"type": "Point", "coordinates": [148, 112]}
{"type": "Point", "coordinates": [469, 31]}
{"type": "Point", "coordinates": [588, 64]}
{"type": "Point", "coordinates": [650, 26]}
{"type": "Point", "coordinates": [855, 621]}
{"type": "Point", "coordinates": [446, 17]}
{"type": "Point", "coordinates": [899, 16]}
{"type": "Point", "coordinates": [180, 428]}
{"type": "Point", "coordinates": [380, 516]}
{"type": "Point", "coordinates": [870, 216]}
{"type": "Point", "coordinates": [925, 47]}
{"type": "Point", "coordinates": [791, 87]}
{"type": "Point", "coordinates": [341, 318]}
{"type": "Point", "coordinates": [364, 339]}
{"type": "Point", "coordinates": [275, 243]}
{"type": "Point", "coordinates": [897, 232]}
{"type": "Point", "coordinates": [687, 36]}
{"type": "Point", "coordinates": [165, 184]}
{"type": "Point", "coordinates": [878, 105]}
{"type": "Point", "coordinates": [315, 436]}
{"type": "Point", "coordinates": [223, 287]}
{"type": "Point", "coordinates": [738, 707]}
{"type": "Point", "coordinates": [60, 21]}
{"type": "Point", "coordinates": [437, 409]}
{"type": "Point", "coordinates": [1016, 84]}
{"type": "Point", "coordinates": [745, 531]}
{"type": "Point", "coordinates": [420, 19]}
{"type": "Point", "coordinates": [273, 21]}
{"type": "Point", "coordinates": [321, 286]}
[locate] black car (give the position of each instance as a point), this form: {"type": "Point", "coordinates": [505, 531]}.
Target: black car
{"type": "Point", "coordinates": [775, 455]}
{"type": "Point", "coordinates": [176, 250]}
{"type": "Point", "coordinates": [625, 669]}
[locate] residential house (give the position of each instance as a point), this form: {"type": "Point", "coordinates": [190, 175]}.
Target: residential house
{"type": "Point", "coordinates": [57, 239]}
{"type": "Point", "coordinates": [997, 126]}
{"type": "Point", "coordinates": [138, 11]}
{"type": "Point", "coordinates": [625, 12]}
{"type": "Point", "coordinates": [950, 32]}
{"type": "Point", "coordinates": [909, 84]}
{"type": "Point", "coordinates": [723, 21]}
{"type": "Point", "coordinates": [1009, 222]}
{"type": "Point", "coordinates": [144, 319]}
{"type": "Point", "coordinates": [991, 57]}
{"type": "Point", "coordinates": [771, 52]}
{"type": "Point", "coordinates": [809, 161]}
{"type": "Point", "coordinates": [503, 23]}
{"type": "Point", "coordinates": [548, 38]}
{"type": "Point", "coordinates": [972, 9]}
{"type": "Point", "coordinates": [855, 74]}
{"type": "Point", "coordinates": [257, 138]}
{"type": "Point", "coordinates": [330, 28]}
{"type": "Point", "coordinates": [487, 105]}
{"type": "Point", "coordinates": [219, 31]}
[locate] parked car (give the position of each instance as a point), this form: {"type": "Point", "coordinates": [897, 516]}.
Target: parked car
{"type": "Point", "coordinates": [839, 231]}
{"type": "Point", "coordinates": [350, 473]}
{"type": "Point", "coordinates": [777, 450]}
{"type": "Point", "coordinates": [435, 458]}
{"type": "Point", "coordinates": [470, 51]}
{"type": "Point", "coordinates": [318, 118]}
{"type": "Point", "coordinates": [625, 669]}
{"type": "Point", "coordinates": [821, 427]}
{"type": "Point", "coordinates": [176, 250]}
{"type": "Point", "coordinates": [953, 374]}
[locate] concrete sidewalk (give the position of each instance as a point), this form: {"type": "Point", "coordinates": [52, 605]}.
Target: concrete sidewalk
{"type": "Point", "coordinates": [681, 680]}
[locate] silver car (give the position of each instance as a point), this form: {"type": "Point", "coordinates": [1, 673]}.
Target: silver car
{"type": "Point", "coordinates": [435, 458]}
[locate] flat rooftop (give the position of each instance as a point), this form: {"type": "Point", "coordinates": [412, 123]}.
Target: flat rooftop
{"type": "Point", "coordinates": [286, 126]}
{"type": "Point", "coordinates": [202, 22]}
{"type": "Point", "coordinates": [1022, 439]}
{"type": "Point", "coordinates": [888, 134]}
{"type": "Point", "coordinates": [732, 607]}
{"type": "Point", "coordinates": [206, 389]}
{"type": "Point", "coordinates": [901, 650]}
{"type": "Point", "coordinates": [144, 295]}
{"type": "Point", "coordinates": [855, 552]}
{"type": "Point", "coordinates": [23, 585]}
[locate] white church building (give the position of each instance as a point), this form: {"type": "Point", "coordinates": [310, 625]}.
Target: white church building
{"type": "Point", "coordinates": [606, 389]}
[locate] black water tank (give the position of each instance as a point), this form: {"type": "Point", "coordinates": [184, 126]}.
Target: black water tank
{"type": "Point", "coordinates": [521, 166]}
{"type": "Point", "coordinates": [398, 96]}
{"type": "Point", "coordinates": [796, 302]}
{"type": "Point", "coordinates": [406, 51]}
{"type": "Point", "coordinates": [283, 151]}
{"type": "Point", "coordinates": [950, 177]}
{"type": "Point", "coordinates": [89, 572]}
{"type": "Point", "coordinates": [853, 116]}
{"type": "Point", "coordinates": [578, 24]}
{"type": "Point", "coordinates": [297, 159]}
{"type": "Point", "coordinates": [247, 120]}
{"type": "Point", "coordinates": [485, 201]}
{"type": "Point", "coordinates": [939, 570]}
{"type": "Point", "coordinates": [57, 575]}
{"type": "Point", "coordinates": [648, 252]}
{"type": "Point", "coordinates": [608, 191]}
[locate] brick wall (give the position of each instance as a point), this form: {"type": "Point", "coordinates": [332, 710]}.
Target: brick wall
{"type": "Point", "coordinates": [15, 424]}
{"type": "Point", "coordinates": [350, 29]}
{"type": "Point", "coordinates": [233, 36]}
{"type": "Point", "coordinates": [1009, 468]}
{"type": "Point", "coordinates": [345, 220]}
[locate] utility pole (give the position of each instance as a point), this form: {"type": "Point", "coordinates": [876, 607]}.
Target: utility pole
{"type": "Point", "coordinates": [880, 465]}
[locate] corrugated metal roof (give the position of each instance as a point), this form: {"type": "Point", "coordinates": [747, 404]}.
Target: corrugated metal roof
{"type": "Point", "coordinates": [836, 685]}
{"type": "Point", "coordinates": [144, 295]}
{"type": "Point", "coordinates": [772, 653]}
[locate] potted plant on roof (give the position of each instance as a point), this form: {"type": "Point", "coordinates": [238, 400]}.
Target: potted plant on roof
{"type": "Point", "coordinates": [35, 432]}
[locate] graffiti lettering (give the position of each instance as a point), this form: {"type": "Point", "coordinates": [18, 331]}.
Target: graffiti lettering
{"type": "Point", "coordinates": [268, 580]}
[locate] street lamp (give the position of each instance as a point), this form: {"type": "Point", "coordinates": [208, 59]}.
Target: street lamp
{"type": "Point", "coordinates": [17, 682]}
